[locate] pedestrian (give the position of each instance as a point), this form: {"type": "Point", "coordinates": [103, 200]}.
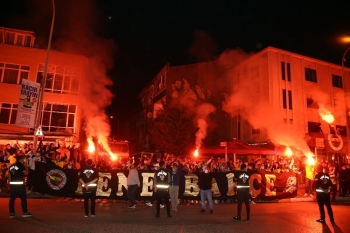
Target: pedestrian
{"type": "Point", "coordinates": [133, 183]}
{"type": "Point", "coordinates": [323, 194]}
{"type": "Point", "coordinates": [161, 182]}
{"type": "Point", "coordinates": [174, 185]}
{"type": "Point", "coordinates": [17, 173]}
{"type": "Point", "coordinates": [205, 178]}
{"type": "Point", "coordinates": [243, 191]}
{"type": "Point", "coordinates": [88, 179]}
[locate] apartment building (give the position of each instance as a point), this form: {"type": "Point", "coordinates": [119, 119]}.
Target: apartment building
{"type": "Point", "coordinates": [292, 85]}
{"type": "Point", "coordinates": [19, 59]}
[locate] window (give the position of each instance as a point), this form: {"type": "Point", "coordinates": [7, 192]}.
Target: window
{"type": "Point", "coordinates": [27, 41]}
{"type": "Point", "coordinates": [8, 113]}
{"type": "Point", "coordinates": [310, 103]}
{"type": "Point", "coordinates": [13, 73]}
{"type": "Point", "coordinates": [310, 75]}
{"type": "Point", "coordinates": [19, 40]}
{"type": "Point", "coordinates": [290, 104]}
{"type": "Point", "coordinates": [60, 79]}
{"type": "Point", "coordinates": [284, 96]}
{"type": "Point", "coordinates": [58, 117]}
{"type": "Point", "coordinates": [288, 72]}
{"type": "Point", "coordinates": [283, 71]}
{"type": "Point", "coordinates": [337, 81]}
{"type": "Point", "coordinates": [314, 127]}
{"type": "Point", "coordinates": [10, 38]}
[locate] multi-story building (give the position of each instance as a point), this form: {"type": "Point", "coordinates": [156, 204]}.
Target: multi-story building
{"type": "Point", "coordinates": [19, 59]}
{"type": "Point", "coordinates": [294, 87]}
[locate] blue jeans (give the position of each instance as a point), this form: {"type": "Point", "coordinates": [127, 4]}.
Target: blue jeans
{"type": "Point", "coordinates": [206, 194]}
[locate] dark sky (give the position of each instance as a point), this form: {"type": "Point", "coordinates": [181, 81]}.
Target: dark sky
{"type": "Point", "coordinates": [149, 34]}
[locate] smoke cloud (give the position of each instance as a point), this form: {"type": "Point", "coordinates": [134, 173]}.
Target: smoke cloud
{"type": "Point", "coordinates": [78, 29]}
{"type": "Point", "coordinates": [245, 102]}
{"type": "Point", "coordinates": [202, 114]}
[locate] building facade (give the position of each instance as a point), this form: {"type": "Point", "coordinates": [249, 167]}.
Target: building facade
{"type": "Point", "coordinates": [61, 114]}
{"type": "Point", "coordinates": [294, 87]}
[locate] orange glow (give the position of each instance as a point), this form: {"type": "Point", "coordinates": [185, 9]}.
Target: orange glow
{"type": "Point", "coordinates": [326, 115]}
{"type": "Point", "coordinates": [113, 156]}
{"type": "Point", "coordinates": [288, 152]}
{"type": "Point", "coordinates": [310, 159]}
{"type": "Point", "coordinates": [195, 153]}
{"type": "Point", "coordinates": [345, 39]}
{"type": "Point", "coordinates": [91, 148]}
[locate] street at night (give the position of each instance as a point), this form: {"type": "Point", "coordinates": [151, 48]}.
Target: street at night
{"type": "Point", "coordinates": [57, 215]}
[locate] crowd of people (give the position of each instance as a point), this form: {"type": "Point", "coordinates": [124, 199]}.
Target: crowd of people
{"type": "Point", "coordinates": [72, 158]}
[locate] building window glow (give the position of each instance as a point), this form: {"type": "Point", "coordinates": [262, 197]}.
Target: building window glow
{"type": "Point", "coordinates": [13, 73]}
{"type": "Point", "coordinates": [64, 80]}
{"type": "Point", "coordinates": [58, 117]}
{"type": "Point", "coordinates": [8, 113]}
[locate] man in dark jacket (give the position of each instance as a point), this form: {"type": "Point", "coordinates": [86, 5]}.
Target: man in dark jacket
{"type": "Point", "coordinates": [88, 179]}
{"type": "Point", "coordinates": [204, 182]}
{"type": "Point", "coordinates": [243, 191]}
{"type": "Point", "coordinates": [161, 182]}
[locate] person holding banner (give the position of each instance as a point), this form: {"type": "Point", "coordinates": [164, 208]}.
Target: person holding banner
{"type": "Point", "coordinates": [323, 194]}
{"type": "Point", "coordinates": [243, 191]}
{"type": "Point", "coordinates": [88, 179]}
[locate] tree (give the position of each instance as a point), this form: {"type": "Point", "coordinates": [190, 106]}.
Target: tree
{"type": "Point", "coordinates": [173, 130]}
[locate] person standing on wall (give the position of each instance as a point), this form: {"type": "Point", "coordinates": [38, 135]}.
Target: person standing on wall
{"type": "Point", "coordinates": [243, 191]}
{"type": "Point", "coordinates": [88, 179]}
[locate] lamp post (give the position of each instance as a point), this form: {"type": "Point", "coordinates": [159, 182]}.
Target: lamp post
{"type": "Point", "coordinates": [43, 81]}
{"type": "Point", "coordinates": [346, 39]}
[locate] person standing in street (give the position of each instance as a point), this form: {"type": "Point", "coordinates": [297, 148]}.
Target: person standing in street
{"type": "Point", "coordinates": [17, 173]}
{"type": "Point", "coordinates": [243, 192]}
{"type": "Point", "coordinates": [323, 194]}
{"type": "Point", "coordinates": [174, 185]}
{"type": "Point", "coordinates": [133, 183]}
{"type": "Point", "coordinates": [205, 178]}
{"type": "Point", "coordinates": [88, 179]}
{"type": "Point", "coordinates": [161, 182]}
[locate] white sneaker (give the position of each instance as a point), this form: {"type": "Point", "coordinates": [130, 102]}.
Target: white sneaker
{"type": "Point", "coordinates": [149, 204]}
{"type": "Point", "coordinates": [311, 195]}
{"type": "Point", "coordinates": [305, 195]}
{"type": "Point", "coordinates": [161, 206]}
{"type": "Point", "coordinates": [196, 202]}
{"type": "Point", "coordinates": [252, 202]}
{"type": "Point", "coordinates": [215, 201]}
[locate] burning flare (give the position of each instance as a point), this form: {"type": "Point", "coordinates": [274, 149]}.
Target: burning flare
{"type": "Point", "coordinates": [326, 115]}
{"type": "Point", "coordinates": [91, 148]}
{"type": "Point", "coordinates": [195, 153]}
{"type": "Point", "coordinates": [310, 158]}
{"type": "Point", "coordinates": [288, 152]}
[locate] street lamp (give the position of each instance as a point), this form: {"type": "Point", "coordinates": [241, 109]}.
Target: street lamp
{"type": "Point", "coordinates": [43, 81]}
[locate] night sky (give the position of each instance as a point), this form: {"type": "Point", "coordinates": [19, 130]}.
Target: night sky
{"type": "Point", "coordinates": [148, 34]}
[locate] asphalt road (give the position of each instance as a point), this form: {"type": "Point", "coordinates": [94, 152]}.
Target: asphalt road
{"type": "Point", "coordinates": [58, 215]}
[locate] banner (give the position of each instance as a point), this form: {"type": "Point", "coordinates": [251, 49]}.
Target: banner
{"type": "Point", "coordinates": [54, 180]}
{"type": "Point", "coordinates": [28, 101]}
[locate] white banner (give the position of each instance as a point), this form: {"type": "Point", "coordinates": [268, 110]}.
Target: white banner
{"type": "Point", "coordinates": [28, 101]}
